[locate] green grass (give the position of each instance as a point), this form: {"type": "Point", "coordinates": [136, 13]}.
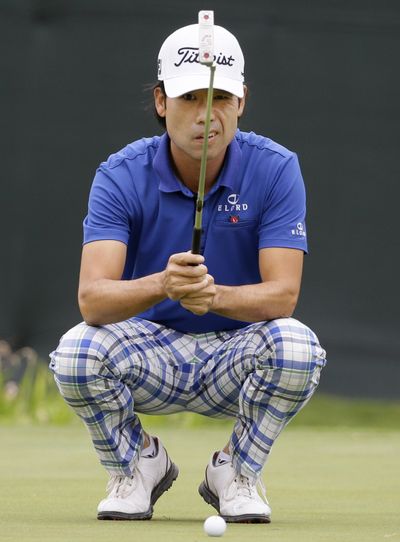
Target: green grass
{"type": "Point", "coordinates": [36, 400]}
{"type": "Point", "coordinates": [332, 484]}
{"type": "Point", "coordinates": [334, 474]}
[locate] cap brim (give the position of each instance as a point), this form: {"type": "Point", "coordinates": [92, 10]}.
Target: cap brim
{"type": "Point", "coordinates": [176, 86]}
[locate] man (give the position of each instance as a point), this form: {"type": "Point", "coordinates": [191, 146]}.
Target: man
{"type": "Point", "coordinates": [166, 330]}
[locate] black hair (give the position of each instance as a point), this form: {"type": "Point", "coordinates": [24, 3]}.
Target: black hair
{"type": "Point", "coordinates": [160, 120]}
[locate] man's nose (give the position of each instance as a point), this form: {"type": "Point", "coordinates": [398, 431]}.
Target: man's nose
{"type": "Point", "coordinates": [202, 110]}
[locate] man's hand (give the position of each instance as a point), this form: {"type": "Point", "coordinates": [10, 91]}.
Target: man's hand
{"type": "Point", "coordinates": [201, 301]}
{"type": "Point", "coordinates": [185, 274]}
{"type": "Point", "coordinates": [186, 279]}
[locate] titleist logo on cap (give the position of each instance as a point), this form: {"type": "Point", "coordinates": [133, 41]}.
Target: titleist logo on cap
{"type": "Point", "coordinates": [190, 55]}
{"type": "Point", "coordinates": [180, 68]}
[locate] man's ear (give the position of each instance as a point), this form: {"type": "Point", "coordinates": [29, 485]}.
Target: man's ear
{"type": "Point", "coordinates": [160, 101]}
{"type": "Point", "coordinates": [242, 101]}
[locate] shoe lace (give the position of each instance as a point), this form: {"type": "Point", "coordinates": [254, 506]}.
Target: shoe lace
{"type": "Point", "coordinates": [242, 486]}
{"type": "Point", "coordinates": [121, 486]}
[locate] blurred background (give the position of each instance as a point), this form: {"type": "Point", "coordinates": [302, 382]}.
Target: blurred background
{"type": "Point", "coordinates": [324, 81]}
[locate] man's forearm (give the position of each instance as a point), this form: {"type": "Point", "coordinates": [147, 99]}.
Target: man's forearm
{"type": "Point", "coordinates": [255, 302]}
{"type": "Point", "coordinates": [106, 301]}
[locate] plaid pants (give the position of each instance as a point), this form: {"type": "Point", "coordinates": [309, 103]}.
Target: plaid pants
{"type": "Point", "coordinates": [261, 375]}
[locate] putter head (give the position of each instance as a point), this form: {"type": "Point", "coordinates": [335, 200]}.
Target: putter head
{"type": "Point", "coordinates": [206, 37]}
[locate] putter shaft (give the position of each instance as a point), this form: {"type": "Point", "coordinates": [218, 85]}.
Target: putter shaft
{"type": "Point", "coordinates": [196, 240]}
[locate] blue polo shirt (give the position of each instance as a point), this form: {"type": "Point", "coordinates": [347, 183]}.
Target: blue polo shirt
{"type": "Point", "coordinates": [258, 201]}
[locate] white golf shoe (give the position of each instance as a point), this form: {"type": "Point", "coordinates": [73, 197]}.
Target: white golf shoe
{"type": "Point", "coordinates": [233, 495]}
{"type": "Point", "coordinates": [133, 497]}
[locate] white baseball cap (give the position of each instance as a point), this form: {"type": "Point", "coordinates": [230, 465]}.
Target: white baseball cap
{"type": "Point", "coordinates": [180, 70]}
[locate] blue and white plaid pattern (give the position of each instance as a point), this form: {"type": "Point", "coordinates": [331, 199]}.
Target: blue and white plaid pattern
{"type": "Point", "coordinates": [262, 375]}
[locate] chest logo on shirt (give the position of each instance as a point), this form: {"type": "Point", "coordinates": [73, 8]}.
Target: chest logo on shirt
{"type": "Point", "coordinates": [232, 204]}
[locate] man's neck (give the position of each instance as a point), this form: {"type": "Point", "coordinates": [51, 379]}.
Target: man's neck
{"type": "Point", "coordinates": [188, 170]}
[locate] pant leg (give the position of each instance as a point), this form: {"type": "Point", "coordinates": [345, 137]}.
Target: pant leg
{"type": "Point", "coordinates": [107, 374]}
{"type": "Point", "coordinates": [263, 375]}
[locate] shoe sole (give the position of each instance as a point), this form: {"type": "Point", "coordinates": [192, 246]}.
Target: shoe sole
{"type": "Point", "coordinates": [163, 485]}
{"type": "Point", "coordinates": [212, 499]}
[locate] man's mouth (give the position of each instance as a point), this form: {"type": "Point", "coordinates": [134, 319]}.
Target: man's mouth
{"type": "Point", "coordinates": [211, 136]}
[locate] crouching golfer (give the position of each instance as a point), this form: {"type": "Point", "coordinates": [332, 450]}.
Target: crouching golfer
{"type": "Point", "coordinates": [166, 330]}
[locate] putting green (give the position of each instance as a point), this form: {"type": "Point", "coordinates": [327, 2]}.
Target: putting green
{"type": "Point", "coordinates": [323, 485]}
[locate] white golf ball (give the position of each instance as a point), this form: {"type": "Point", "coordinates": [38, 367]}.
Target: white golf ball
{"type": "Point", "coordinates": [215, 526]}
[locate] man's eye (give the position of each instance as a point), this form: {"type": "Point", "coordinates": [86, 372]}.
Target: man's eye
{"type": "Point", "coordinates": [222, 96]}
{"type": "Point", "coordinates": [188, 96]}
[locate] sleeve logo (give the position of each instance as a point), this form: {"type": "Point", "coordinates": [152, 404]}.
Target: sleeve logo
{"type": "Point", "coordinates": [299, 230]}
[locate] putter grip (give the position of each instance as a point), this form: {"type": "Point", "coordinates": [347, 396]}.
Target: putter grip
{"type": "Point", "coordinates": [196, 241]}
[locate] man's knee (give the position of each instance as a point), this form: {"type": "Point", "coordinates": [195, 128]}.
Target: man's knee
{"type": "Point", "coordinates": [78, 362]}
{"type": "Point", "coordinates": [295, 344]}
{"type": "Point", "coordinates": [293, 353]}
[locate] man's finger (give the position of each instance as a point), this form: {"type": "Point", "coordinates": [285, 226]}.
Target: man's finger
{"type": "Point", "coordinates": [187, 270]}
{"type": "Point", "coordinates": [208, 289]}
{"type": "Point", "coordinates": [186, 258]}
{"type": "Point", "coordinates": [177, 292]}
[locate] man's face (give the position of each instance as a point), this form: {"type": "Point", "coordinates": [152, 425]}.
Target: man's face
{"type": "Point", "coordinates": [185, 119]}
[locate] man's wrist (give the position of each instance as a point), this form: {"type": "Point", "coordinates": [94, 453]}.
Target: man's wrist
{"type": "Point", "coordinates": [217, 302]}
{"type": "Point", "coordinates": [160, 285]}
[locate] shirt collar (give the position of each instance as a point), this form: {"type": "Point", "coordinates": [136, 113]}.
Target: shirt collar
{"type": "Point", "coordinates": [169, 181]}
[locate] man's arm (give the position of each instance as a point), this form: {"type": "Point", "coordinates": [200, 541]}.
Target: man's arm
{"type": "Point", "coordinates": [104, 298]}
{"type": "Point", "coordinates": [276, 296]}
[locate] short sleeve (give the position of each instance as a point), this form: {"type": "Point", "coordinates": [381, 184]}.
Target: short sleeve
{"type": "Point", "coordinates": [283, 218]}
{"type": "Point", "coordinates": [109, 214]}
